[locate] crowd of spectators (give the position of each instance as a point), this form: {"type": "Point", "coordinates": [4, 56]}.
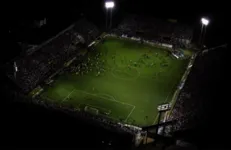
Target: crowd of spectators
{"type": "Point", "coordinates": [155, 29]}
{"type": "Point", "coordinates": [192, 106]}
{"type": "Point", "coordinates": [51, 56]}
{"type": "Point", "coordinates": [187, 108]}
{"type": "Point", "coordinates": [87, 30]}
{"type": "Point", "coordinates": [34, 68]}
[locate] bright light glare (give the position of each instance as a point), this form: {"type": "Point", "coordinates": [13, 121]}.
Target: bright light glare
{"type": "Point", "coordinates": [205, 21]}
{"type": "Point", "coordinates": [109, 4]}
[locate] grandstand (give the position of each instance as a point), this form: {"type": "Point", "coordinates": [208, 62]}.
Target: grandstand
{"type": "Point", "coordinates": [118, 78]}
{"type": "Point", "coordinates": [155, 30]}
{"type": "Point", "coordinates": [49, 57]}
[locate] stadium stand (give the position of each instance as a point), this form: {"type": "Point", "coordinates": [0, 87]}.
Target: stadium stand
{"type": "Point", "coordinates": [191, 106]}
{"type": "Point", "coordinates": [50, 56]}
{"type": "Point", "coordinates": [155, 30]}
{"type": "Point", "coordinates": [87, 30]}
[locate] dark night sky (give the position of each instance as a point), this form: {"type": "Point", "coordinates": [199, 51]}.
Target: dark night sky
{"type": "Point", "coordinates": [62, 14]}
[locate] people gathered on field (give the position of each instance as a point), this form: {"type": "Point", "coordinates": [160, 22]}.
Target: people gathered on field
{"type": "Point", "coordinates": [49, 59]}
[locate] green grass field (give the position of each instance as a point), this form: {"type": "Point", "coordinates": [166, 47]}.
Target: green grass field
{"type": "Point", "coordinates": [122, 80]}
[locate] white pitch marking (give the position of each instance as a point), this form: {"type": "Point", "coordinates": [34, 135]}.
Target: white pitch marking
{"type": "Point", "coordinates": [130, 113]}
{"type": "Point", "coordinates": [104, 98]}
{"type": "Point", "coordinates": [107, 95]}
{"type": "Point", "coordinates": [68, 95]}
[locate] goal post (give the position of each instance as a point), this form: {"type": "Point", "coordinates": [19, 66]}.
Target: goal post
{"type": "Point", "coordinates": [97, 110]}
{"type": "Point", "coordinates": [91, 110]}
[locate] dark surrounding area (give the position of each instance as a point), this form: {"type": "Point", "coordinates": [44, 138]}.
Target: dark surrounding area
{"type": "Point", "coordinates": [26, 125]}
{"type": "Point", "coordinates": [209, 125]}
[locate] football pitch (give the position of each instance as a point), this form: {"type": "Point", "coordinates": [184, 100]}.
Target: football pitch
{"type": "Point", "coordinates": [120, 79]}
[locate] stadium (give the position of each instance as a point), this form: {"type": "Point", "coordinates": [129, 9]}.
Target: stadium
{"type": "Point", "coordinates": [126, 78]}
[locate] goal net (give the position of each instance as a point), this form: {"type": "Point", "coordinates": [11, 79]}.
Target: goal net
{"type": "Point", "coordinates": [91, 110]}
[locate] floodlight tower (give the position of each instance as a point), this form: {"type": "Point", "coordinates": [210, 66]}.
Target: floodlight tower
{"type": "Point", "coordinates": [204, 23]}
{"type": "Point", "coordinates": [15, 69]}
{"type": "Point", "coordinates": [109, 5]}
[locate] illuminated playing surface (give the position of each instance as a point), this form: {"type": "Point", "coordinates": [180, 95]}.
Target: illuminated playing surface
{"type": "Point", "coordinates": [121, 79]}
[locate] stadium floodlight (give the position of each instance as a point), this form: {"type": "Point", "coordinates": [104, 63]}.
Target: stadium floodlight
{"type": "Point", "coordinates": [109, 4]}
{"type": "Point", "coordinates": [205, 21]}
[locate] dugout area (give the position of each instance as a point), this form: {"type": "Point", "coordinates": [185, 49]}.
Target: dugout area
{"type": "Point", "coordinates": [119, 79]}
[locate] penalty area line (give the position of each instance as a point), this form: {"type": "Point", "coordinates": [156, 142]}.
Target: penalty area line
{"type": "Point", "coordinates": [68, 95]}
{"type": "Point", "coordinates": [113, 100]}
{"type": "Point", "coordinates": [130, 113]}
